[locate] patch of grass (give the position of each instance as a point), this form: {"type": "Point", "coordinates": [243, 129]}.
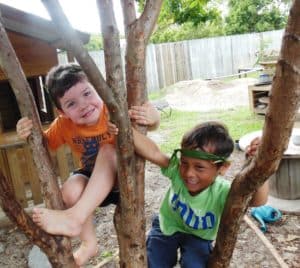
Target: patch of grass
{"type": "Point", "coordinates": [175, 126]}
{"type": "Point", "coordinates": [239, 121]}
{"type": "Point", "coordinates": [106, 254]}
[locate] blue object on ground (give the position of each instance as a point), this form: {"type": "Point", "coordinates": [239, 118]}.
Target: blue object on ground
{"type": "Point", "coordinates": [265, 214]}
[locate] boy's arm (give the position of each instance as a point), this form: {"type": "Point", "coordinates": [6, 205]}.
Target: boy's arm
{"type": "Point", "coordinates": [146, 148]}
{"type": "Point", "coordinates": [145, 114]}
{"type": "Point", "coordinates": [260, 197]}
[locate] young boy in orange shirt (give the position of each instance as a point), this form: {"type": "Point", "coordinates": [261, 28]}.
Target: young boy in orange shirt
{"type": "Point", "coordinates": [82, 124]}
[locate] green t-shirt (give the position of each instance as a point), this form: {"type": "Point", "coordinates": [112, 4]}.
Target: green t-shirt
{"type": "Point", "coordinates": [198, 215]}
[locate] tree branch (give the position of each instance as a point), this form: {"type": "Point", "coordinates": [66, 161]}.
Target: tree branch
{"type": "Point", "coordinates": [51, 245]}
{"type": "Point", "coordinates": [134, 251]}
{"type": "Point", "coordinates": [149, 16]}
{"type": "Point", "coordinates": [112, 50]}
{"type": "Point", "coordinates": [13, 71]}
{"type": "Point", "coordinates": [50, 189]}
{"type": "Point", "coordinates": [147, 19]}
{"type": "Point", "coordinates": [278, 126]}
{"type": "Point", "coordinates": [129, 14]}
{"type": "Point", "coordinates": [138, 33]}
{"type": "Point", "coordinates": [74, 44]}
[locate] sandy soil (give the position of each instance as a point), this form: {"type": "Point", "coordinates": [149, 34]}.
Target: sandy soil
{"type": "Point", "coordinates": [249, 252]}
{"type": "Point", "coordinates": [207, 95]}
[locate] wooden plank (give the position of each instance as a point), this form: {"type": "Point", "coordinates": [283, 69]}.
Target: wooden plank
{"type": "Point", "coordinates": [33, 179]}
{"type": "Point", "coordinates": [36, 56]}
{"type": "Point", "coordinates": [251, 99]}
{"type": "Point", "coordinates": [285, 183]}
{"type": "Point", "coordinates": [180, 66]}
{"type": "Point", "coordinates": [294, 172]}
{"type": "Point", "coordinates": [15, 157]}
{"type": "Point", "coordinates": [266, 242]}
{"type": "Point", "coordinates": [282, 179]}
{"type": "Point", "coordinates": [264, 100]}
{"type": "Point", "coordinates": [4, 165]}
{"type": "Point", "coordinates": [160, 66]}
{"type": "Point", "coordinates": [255, 93]}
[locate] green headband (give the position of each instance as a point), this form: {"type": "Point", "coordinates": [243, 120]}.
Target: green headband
{"type": "Point", "coordinates": [200, 155]}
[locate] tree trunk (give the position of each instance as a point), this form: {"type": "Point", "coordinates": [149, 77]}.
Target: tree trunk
{"type": "Point", "coordinates": [130, 234]}
{"type": "Point", "coordinates": [277, 130]}
{"type": "Point", "coordinates": [138, 32]}
{"type": "Point", "coordinates": [50, 189]}
{"type": "Point", "coordinates": [130, 213]}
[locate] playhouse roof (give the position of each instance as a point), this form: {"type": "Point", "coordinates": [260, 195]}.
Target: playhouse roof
{"type": "Point", "coordinates": [18, 21]}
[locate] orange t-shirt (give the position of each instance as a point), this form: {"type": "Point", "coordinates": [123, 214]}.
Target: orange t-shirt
{"type": "Point", "coordinates": [84, 141]}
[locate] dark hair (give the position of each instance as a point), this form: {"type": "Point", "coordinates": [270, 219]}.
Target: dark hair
{"type": "Point", "coordinates": [61, 78]}
{"type": "Point", "coordinates": [212, 134]}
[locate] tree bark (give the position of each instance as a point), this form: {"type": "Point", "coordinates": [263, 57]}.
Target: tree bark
{"type": "Point", "coordinates": [130, 213]}
{"type": "Point", "coordinates": [13, 71]}
{"type": "Point", "coordinates": [138, 32]}
{"type": "Point", "coordinates": [131, 246]}
{"type": "Point", "coordinates": [58, 254]}
{"type": "Point", "coordinates": [279, 121]}
{"type": "Point", "coordinates": [50, 189]}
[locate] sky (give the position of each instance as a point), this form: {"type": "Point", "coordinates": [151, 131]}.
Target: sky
{"type": "Point", "coordinates": [82, 14]}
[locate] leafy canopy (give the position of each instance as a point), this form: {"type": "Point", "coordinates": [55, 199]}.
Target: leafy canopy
{"type": "Point", "coordinates": [95, 43]}
{"type": "Point", "coordinates": [255, 16]}
{"type": "Point", "coordinates": [192, 19]}
{"type": "Point", "coordinates": [187, 19]}
{"type": "Point", "coordinates": [195, 11]}
{"type": "Point", "coordinates": [181, 11]}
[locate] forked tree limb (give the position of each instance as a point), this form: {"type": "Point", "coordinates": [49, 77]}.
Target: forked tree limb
{"type": "Point", "coordinates": [137, 32]}
{"type": "Point", "coordinates": [110, 92]}
{"type": "Point", "coordinates": [60, 252]}
{"type": "Point", "coordinates": [13, 71]}
{"type": "Point", "coordinates": [75, 46]}
{"type": "Point", "coordinates": [127, 209]}
{"type": "Point", "coordinates": [279, 120]}
{"type": "Point", "coordinates": [129, 14]}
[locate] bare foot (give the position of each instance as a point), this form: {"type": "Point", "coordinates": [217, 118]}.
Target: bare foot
{"type": "Point", "coordinates": [59, 222]}
{"type": "Point", "coordinates": [85, 252]}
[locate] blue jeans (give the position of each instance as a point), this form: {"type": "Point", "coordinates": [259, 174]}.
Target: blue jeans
{"type": "Point", "coordinates": [162, 249]}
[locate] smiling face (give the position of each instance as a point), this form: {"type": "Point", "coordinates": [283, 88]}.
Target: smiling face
{"type": "Point", "coordinates": [81, 104]}
{"type": "Point", "coordinates": [198, 174]}
{"type": "Point", "coordinates": [210, 137]}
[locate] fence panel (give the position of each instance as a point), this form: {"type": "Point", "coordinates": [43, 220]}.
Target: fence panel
{"type": "Point", "coordinates": [244, 50]}
{"type": "Point", "coordinates": [205, 58]}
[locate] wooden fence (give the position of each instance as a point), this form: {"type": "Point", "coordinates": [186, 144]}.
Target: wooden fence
{"type": "Point", "coordinates": [205, 58]}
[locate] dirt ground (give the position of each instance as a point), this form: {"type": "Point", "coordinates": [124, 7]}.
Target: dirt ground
{"type": "Point", "coordinates": [250, 251]}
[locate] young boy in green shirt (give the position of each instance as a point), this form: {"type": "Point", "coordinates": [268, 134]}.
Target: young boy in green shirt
{"type": "Point", "coordinates": [190, 213]}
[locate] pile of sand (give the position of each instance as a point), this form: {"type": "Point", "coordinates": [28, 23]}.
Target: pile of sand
{"type": "Point", "coordinates": [202, 95]}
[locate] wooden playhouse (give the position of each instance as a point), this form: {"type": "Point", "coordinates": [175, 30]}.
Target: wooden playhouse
{"type": "Point", "coordinates": [36, 44]}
